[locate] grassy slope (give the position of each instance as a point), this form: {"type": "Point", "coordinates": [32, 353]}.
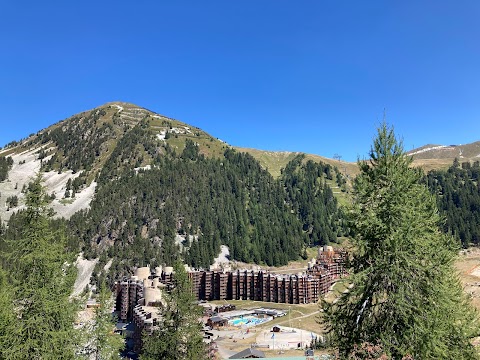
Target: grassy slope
{"type": "Point", "coordinates": [274, 161]}
{"type": "Point", "coordinates": [432, 164]}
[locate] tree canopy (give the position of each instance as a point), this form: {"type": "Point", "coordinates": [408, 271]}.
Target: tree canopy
{"type": "Point", "coordinates": [458, 198]}
{"type": "Point", "coordinates": [178, 335]}
{"type": "Point", "coordinates": [405, 295]}
{"type": "Point", "coordinates": [37, 286]}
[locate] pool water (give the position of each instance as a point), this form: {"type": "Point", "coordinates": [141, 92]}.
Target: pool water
{"type": "Point", "coordinates": [248, 320]}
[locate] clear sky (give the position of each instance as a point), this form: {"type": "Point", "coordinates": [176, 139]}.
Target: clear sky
{"type": "Point", "coordinates": [311, 76]}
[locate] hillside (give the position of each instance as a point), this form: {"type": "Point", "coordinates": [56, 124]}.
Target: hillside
{"type": "Point", "coordinates": [274, 161]}
{"type": "Point", "coordinates": [428, 157]}
{"type": "Point", "coordinates": [142, 188]}
{"type": "Point", "coordinates": [73, 152]}
{"type": "Point", "coordinates": [458, 198]}
{"type": "Point", "coordinates": [440, 157]}
{"type": "Point", "coordinates": [138, 187]}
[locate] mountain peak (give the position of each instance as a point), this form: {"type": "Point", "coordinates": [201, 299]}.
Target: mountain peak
{"type": "Point", "coordinates": [103, 141]}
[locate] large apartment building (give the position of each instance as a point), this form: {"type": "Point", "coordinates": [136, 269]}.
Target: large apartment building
{"type": "Point", "coordinates": [137, 297]}
{"type": "Point", "coordinates": [263, 285]}
{"type": "Point", "coordinates": [143, 288]}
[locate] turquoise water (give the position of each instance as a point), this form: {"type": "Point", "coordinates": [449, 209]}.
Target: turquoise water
{"type": "Point", "coordinates": [248, 320]}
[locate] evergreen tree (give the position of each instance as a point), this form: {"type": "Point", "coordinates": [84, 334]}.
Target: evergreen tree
{"type": "Point", "coordinates": [178, 335]}
{"type": "Point", "coordinates": [104, 344]}
{"type": "Point", "coordinates": [458, 198]}
{"type": "Point", "coordinates": [5, 165]}
{"type": "Point", "coordinates": [42, 275]}
{"type": "Point", "coordinates": [8, 326]}
{"type": "Point", "coordinates": [405, 294]}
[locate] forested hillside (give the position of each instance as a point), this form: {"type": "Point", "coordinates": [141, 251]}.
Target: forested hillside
{"type": "Point", "coordinates": [153, 189]}
{"type": "Point", "coordinates": [458, 198]}
{"type": "Point", "coordinates": [312, 199]}
{"type": "Point", "coordinates": [164, 189]}
{"type": "Point", "coordinates": [191, 204]}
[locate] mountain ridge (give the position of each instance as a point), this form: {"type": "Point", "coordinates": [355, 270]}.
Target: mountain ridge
{"type": "Point", "coordinates": [436, 157]}
{"type": "Point", "coordinates": [77, 148]}
{"type": "Point", "coordinates": [428, 156]}
{"type": "Point", "coordinates": [139, 187]}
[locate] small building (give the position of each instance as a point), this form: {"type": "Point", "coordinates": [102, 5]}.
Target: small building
{"type": "Point", "coordinates": [225, 308]}
{"type": "Point", "coordinates": [217, 321]}
{"type": "Point", "coordinates": [248, 354]}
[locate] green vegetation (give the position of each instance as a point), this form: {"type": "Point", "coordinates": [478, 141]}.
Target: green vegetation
{"type": "Point", "coordinates": [209, 201]}
{"type": "Point", "coordinates": [458, 197]}
{"type": "Point", "coordinates": [312, 199]}
{"type": "Point", "coordinates": [7, 318]}
{"type": "Point", "coordinates": [12, 201]}
{"type": "Point", "coordinates": [130, 152]}
{"type": "Point", "coordinates": [406, 299]}
{"type": "Point", "coordinates": [76, 150]}
{"type": "Point", "coordinates": [178, 335]}
{"type": "Point", "coordinates": [233, 202]}
{"type": "Point", "coordinates": [37, 315]}
{"type": "Point", "coordinates": [103, 343]}
{"type": "Point", "coordinates": [273, 161]}
{"type": "Point", "coordinates": [5, 165]}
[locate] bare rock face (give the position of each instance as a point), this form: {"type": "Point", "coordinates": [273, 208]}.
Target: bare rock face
{"type": "Point", "coordinates": [26, 166]}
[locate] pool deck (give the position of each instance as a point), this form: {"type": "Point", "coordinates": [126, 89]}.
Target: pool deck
{"type": "Point", "coordinates": [287, 338]}
{"type": "Point", "coordinates": [235, 313]}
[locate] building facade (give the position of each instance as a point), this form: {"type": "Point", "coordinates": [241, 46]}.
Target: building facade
{"type": "Point", "coordinates": [144, 288]}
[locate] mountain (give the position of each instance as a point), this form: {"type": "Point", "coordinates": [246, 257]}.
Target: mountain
{"type": "Point", "coordinates": [138, 187]}
{"type": "Point", "coordinates": [73, 152]}
{"type": "Point", "coordinates": [434, 157]}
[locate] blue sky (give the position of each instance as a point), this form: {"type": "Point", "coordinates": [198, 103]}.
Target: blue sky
{"type": "Point", "coordinates": [311, 76]}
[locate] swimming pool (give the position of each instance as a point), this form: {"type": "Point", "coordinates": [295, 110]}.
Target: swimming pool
{"type": "Point", "coordinates": [248, 320]}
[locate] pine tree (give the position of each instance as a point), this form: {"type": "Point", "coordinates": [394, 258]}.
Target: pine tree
{"type": "Point", "coordinates": [104, 344]}
{"type": "Point", "coordinates": [179, 332]}
{"type": "Point", "coordinates": [42, 276]}
{"type": "Point", "coordinates": [8, 326]}
{"type": "Point", "coordinates": [405, 294]}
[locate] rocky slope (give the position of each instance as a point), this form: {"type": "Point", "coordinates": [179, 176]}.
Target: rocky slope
{"type": "Point", "coordinates": [72, 153]}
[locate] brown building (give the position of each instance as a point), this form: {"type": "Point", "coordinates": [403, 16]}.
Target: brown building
{"type": "Point", "coordinates": [261, 285]}
{"type": "Point", "coordinates": [145, 319]}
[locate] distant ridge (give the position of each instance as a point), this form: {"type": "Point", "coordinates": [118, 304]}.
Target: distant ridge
{"type": "Point", "coordinates": [435, 156]}
{"type": "Point", "coordinates": [274, 161]}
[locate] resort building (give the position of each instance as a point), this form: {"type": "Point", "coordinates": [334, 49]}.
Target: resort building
{"type": "Point", "coordinates": [138, 297]}
{"type": "Point", "coordinates": [144, 288]}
